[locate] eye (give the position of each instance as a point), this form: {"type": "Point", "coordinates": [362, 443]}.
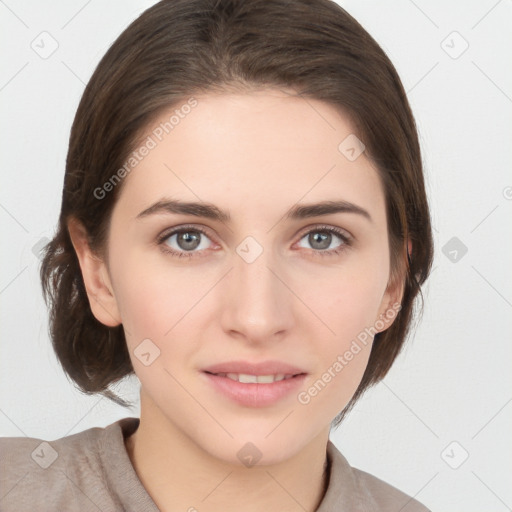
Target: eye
{"type": "Point", "coordinates": [321, 237]}
{"type": "Point", "coordinates": [189, 241]}
{"type": "Point", "coordinates": [184, 241]}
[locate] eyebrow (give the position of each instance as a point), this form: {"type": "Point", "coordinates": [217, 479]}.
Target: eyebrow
{"type": "Point", "coordinates": [210, 211]}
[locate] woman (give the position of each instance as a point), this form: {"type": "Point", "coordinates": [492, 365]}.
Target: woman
{"type": "Point", "coordinates": [244, 225]}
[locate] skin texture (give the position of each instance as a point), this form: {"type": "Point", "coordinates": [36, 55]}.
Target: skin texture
{"type": "Point", "coordinates": [255, 155]}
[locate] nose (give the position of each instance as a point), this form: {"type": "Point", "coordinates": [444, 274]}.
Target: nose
{"type": "Point", "coordinates": [257, 306]}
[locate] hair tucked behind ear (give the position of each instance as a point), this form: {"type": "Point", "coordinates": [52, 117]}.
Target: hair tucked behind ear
{"type": "Point", "coordinates": [93, 355]}
{"type": "Point", "coordinates": [178, 48]}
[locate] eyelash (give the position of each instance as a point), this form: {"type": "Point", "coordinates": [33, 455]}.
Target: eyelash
{"type": "Point", "coordinates": [347, 242]}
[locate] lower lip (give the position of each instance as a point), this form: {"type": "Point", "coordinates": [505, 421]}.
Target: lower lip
{"type": "Point", "coordinates": [255, 394]}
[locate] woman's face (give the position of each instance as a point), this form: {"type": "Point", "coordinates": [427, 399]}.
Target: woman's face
{"type": "Point", "coordinates": [238, 286]}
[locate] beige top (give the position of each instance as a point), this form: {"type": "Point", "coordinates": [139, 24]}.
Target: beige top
{"type": "Point", "coordinates": [91, 471]}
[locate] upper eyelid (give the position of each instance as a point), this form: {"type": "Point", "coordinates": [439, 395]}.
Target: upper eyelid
{"type": "Point", "coordinates": [166, 233]}
{"type": "Point", "coordinates": [319, 227]}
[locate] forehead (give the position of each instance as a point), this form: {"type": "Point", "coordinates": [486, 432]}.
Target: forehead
{"type": "Point", "coordinates": [251, 151]}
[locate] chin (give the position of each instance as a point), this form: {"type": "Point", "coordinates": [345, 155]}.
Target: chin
{"type": "Point", "coordinates": [258, 446]}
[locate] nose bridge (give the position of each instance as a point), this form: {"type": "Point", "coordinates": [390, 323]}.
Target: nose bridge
{"type": "Point", "coordinates": [257, 305]}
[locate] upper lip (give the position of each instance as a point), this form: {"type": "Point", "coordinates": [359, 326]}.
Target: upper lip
{"type": "Point", "coordinates": [248, 368]}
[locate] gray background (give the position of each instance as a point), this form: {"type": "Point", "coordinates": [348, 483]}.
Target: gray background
{"type": "Point", "coordinates": [436, 426]}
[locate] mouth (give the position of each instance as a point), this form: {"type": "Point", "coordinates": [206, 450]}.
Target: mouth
{"type": "Point", "coordinates": [246, 378]}
{"type": "Point", "coordinates": [262, 369]}
{"type": "Point", "coordinates": [254, 384]}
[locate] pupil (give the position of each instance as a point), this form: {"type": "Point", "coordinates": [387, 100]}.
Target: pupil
{"type": "Point", "coordinates": [324, 240]}
{"type": "Point", "coordinates": [188, 241]}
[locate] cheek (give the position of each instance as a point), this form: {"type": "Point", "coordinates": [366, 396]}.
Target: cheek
{"type": "Point", "coordinates": [153, 307]}
{"type": "Point", "coordinates": [347, 303]}
{"type": "Point", "coordinates": [144, 307]}
{"type": "Point", "coordinates": [346, 300]}
{"type": "Point", "coordinates": [156, 302]}
{"type": "Point", "coordinates": [152, 296]}
{"type": "Point", "coordinates": [342, 355]}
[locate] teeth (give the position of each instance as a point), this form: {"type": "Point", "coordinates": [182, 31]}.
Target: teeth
{"type": "Point", "coordinates": [248, 379]}
{"type": "Point", "coordinates": [255, 379]}
{"type": "Point", "coordinates": [265, 379]}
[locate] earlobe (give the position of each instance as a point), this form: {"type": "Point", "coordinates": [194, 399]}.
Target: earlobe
{"type": "Point", "coordinates": [391, 305]}
{"type": "Point", "coordinates": [391, 302]}
{"type": "Point", "coordinates": [95, 276]}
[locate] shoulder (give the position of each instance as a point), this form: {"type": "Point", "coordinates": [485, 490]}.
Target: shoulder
{"type": "Point", "coordinates": [64, 474]}
{"type": "Point", "coordinates": [386, 496]}
{"type": "Point", "coordinates": [358, 490]}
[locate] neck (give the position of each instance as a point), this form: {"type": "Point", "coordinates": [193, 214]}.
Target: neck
{"type": "Point", "coordinates": [180, 476]}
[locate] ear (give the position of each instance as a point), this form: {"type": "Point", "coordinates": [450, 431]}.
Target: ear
{"type": "Point", "coordinates": [96, 277]}
{"type": "Point", "coordinates": [392, 299]}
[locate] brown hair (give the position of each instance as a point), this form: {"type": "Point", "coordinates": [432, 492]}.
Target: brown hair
{"type": "Point", "coordinates": [178, 48]}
